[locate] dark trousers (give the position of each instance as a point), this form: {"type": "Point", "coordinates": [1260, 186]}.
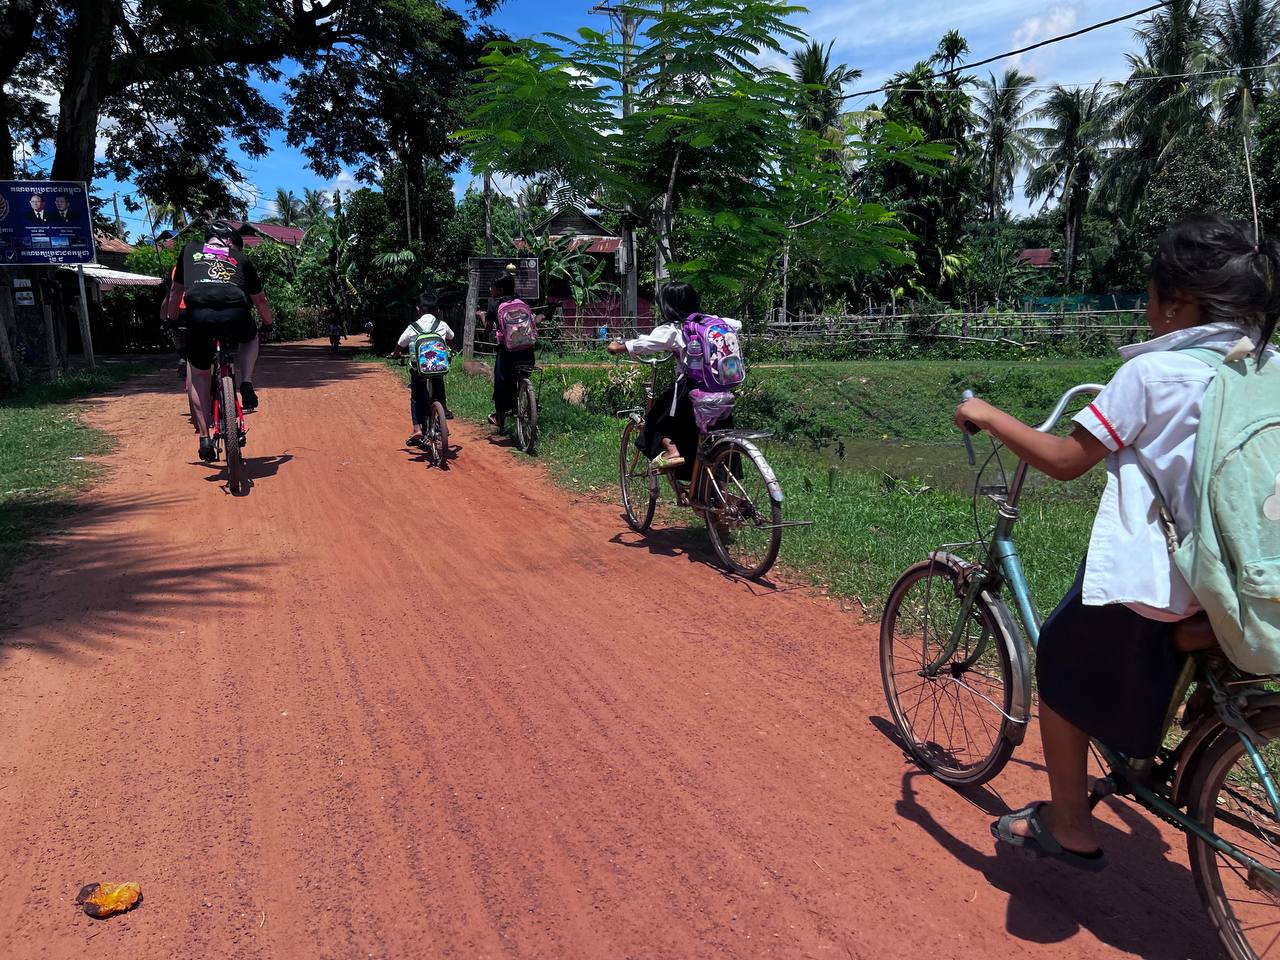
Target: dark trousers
{"type": "Point", "coordinates": [680, 426]}
{"type": "Point", "coordinates": [422, 390]}
{"type": "Point", "coordinates": [506, 376]}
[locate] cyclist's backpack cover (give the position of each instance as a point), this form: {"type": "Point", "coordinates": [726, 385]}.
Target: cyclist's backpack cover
{"type": "Point", "coordinates": [429, 354]}
{"type": "Point", "coordinates": [213, 276]}
{"type": "Point", "coordinates": [713, 355]}
{"type": "Point", "coordinates": [517, 326]}
{"type": "Point", "coordinates": [1231, 558]}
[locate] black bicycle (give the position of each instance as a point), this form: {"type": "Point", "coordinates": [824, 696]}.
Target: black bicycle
{"type": "Point", "coordinates": [228, 418]}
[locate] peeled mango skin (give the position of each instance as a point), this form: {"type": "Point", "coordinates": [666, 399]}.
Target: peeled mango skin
{"type": "Point", "coordinates": [101, 900]}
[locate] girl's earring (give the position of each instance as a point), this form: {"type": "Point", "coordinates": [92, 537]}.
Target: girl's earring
{"type": "Point", "coordinates": [1170, 314]}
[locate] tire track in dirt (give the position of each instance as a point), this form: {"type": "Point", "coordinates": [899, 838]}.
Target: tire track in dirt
{"type": "Point", "coordinates": [377, 710]}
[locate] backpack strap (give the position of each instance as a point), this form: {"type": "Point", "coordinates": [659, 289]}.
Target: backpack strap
{"type": "Point", "coordinates": [417, 327]}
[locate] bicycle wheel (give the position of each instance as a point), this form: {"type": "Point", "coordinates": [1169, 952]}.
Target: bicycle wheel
{"type": "Point", "coordinates": [744, 521]}
{"type": "Point", "coordinates": [1227, 796]}
{"type": "Point", "coordinates": [955, 719]}
{"type": "Point", "coordinates": [637, 479]}
{"type": "Point", "coordinates": [230, 427]}
{"type": "Point", "coordinates": [526, 416]}
{"type": "Point", "coordinates": [439, 439]}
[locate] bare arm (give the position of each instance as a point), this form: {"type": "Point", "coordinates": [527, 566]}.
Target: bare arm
{"type": "Point", "coordinates": [1063, 458]}
{"type": "Point", "coordinates": [169, 309]}
{"type": "Point", "coordinates": [264, 308]}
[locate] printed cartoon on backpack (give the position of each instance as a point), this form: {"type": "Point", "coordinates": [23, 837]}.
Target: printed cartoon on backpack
{"type": "Point", "coordinates": [429, 356]}
{"type": "Point", "coordinates": [517, 326]}
{"type": "Point", "coordinates": [713, 355]}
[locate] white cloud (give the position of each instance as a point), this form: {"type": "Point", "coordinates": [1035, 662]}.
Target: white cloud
{"type": "Point", "coordinates": [1053, 22]}
{"type": "Point", "coordinates": [343, 183]}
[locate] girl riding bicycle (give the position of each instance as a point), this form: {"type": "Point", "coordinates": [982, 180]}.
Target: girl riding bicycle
{"type": "Point", "coordinates": [672, 428]}
{"type": "Point", "coordinates": [1106, 667]}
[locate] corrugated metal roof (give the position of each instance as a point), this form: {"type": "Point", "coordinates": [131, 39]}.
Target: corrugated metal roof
{"type": "Point", "coordinates": [107, 278]}
{"type": "Point", "coordinates": [1037, 257]}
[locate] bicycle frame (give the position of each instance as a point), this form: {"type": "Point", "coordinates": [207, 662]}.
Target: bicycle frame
{"type": "Point", "coordinates": [225, 364]}
{"type": "Point", "coordinates": [1004, 568]}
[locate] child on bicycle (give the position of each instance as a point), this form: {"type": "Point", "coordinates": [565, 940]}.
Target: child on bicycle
{"type": "Point", "coordinates": [422, 388]}
{"type": "Point", "coordinates": [1106, 666]}
{"type": "Point", "coordinates": [671, 430]}
{"type": "Point", "coordinates": [507, 363]}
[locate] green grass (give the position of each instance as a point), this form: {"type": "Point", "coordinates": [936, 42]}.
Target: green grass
{"type": "Point", "coordinates": [869, 526]}
{"type": "Point", "coordinates": [40, 433]}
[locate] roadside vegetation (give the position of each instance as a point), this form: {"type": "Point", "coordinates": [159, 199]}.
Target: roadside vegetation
{"type": "Point", "coordinates": [45, 454]}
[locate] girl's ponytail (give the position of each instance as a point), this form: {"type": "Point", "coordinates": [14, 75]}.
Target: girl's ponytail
{"type": "Point", "coordinates": [1269, 265]}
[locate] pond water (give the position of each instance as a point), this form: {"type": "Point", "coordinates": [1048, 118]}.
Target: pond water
{"type": "Point", "coordinates": [941, 466]}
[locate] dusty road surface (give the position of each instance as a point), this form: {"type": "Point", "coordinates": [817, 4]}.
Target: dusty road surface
{"type": "Point", "coordinates": [374, 710]}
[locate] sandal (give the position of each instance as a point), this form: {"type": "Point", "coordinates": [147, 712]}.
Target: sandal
{"type": "Point", "coordinates": [414, 441]}
{"type": "Point", "coordinates": [662, 463]}
{"type": "Point", "coordinates": [1041, 843]}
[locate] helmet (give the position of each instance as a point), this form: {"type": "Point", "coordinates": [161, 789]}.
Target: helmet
{"type": "Point", "coordinates": [225, 231]}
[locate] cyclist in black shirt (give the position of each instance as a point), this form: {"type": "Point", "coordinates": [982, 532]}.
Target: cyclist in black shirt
{"type": "Point", "coordinates": [218, 285]}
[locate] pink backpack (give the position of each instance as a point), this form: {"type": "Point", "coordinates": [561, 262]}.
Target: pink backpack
{"type": "Point", "coordinates": [517, 326]}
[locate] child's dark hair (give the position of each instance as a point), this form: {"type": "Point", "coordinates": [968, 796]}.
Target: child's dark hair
{"type": "Point", "coordinates": [427, 301]}
{"type": "Point", "coordinates": [677, 301]}
{"type": "Point", "coordinates": [505, 285]}
{"type": "Point", "coordinates": [1215, 262]}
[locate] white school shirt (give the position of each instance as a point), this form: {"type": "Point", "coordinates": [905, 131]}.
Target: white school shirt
{"type": "Point", "coordinates": [1147, 417]}
{"type": "Point", "coordinates": [668, 338]}
{"type": "Point", "coordinates": [426, 320]}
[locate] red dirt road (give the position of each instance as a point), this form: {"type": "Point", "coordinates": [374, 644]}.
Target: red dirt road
{"type": "Point", "coordinates": [375, 710]}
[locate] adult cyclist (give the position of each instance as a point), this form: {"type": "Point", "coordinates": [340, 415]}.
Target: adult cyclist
{"type": "Point", "coordinates": [218, 285]}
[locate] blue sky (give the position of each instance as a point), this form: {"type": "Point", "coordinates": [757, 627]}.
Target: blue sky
{"type": "Point", "coordinates": [878, 36]}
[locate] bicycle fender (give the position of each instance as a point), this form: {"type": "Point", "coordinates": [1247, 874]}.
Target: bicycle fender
{"type": "Point", "coordinates": [1011, 637]}
{"type": "Point", "coordinates": [766, 471]}
{"type": "Point", "coordinates": [1020, 696]}
{"type": "Point", "coordinates": [1204, 735]}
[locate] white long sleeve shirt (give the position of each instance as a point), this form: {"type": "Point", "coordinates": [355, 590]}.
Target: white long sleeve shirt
{"type": "Point", "coordinates": [668, 338]}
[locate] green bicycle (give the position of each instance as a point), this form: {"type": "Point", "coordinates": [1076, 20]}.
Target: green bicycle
{"type": "Point", "coordinates": [957, 677]}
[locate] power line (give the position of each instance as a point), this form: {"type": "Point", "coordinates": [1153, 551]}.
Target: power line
{"type": "Point", "coordinates": [1013, 53]}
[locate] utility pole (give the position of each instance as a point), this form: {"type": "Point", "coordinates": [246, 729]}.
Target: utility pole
{"type": "Point", "coordinates": [629, 27]}
{"type": "Point", "coordinates": [488, 214]}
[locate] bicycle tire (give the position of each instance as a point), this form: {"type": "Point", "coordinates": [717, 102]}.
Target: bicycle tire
{"type": "Point", "coordinates": [895, 645]}
{"type": "Point", "coordinates": [639, 514]}
{"type": "Point", "coordinates": [719, 466]}
{"type": "Point", "coordinates": [230, 427]}
{"type": "Point", "coordinates": [440, 443]}
{"type": "Point", "coordinates": [1205, 803]}
{"type": "Point", "coordinates": [527, 417]}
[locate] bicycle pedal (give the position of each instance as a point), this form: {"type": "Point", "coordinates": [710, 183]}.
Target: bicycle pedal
{"type": "Point", "coordinates": [1102, 789]}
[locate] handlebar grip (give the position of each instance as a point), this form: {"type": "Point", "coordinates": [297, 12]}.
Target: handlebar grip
{"type": "Point", "coordinates": [969, 430]}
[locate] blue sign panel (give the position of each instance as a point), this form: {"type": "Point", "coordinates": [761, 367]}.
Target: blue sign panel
{"type": "Point", "coordinates": [45, 221]}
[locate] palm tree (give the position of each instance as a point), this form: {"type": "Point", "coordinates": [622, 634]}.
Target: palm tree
{"type": "Point", "coordinates": [314, 207]}
{"type": "Point", "coordinates": [1163, 104]}
{"type": "Point", "coordinates": [1002, 110]}
{"type": "Point", "coordinates": [1072, 147]}
{"type": "Point", "coordinates": [288, 208]}
{"type": "Point", "coordinates": [1245, 36]}
{"type": "Point", "coordinates": [822, 100]}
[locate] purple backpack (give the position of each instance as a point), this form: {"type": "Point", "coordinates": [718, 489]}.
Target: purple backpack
{"type": "Point", "coordinates": [713, 356]}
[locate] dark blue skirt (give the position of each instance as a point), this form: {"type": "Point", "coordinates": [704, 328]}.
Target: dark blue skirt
{"type": "Point", "coordinates": [1108, 670]}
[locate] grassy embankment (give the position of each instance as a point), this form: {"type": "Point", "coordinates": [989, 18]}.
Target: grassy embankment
{"type": "Point", "coordinates": [41, 431]}
{"type": "Point", "coordinates": [867, 450]}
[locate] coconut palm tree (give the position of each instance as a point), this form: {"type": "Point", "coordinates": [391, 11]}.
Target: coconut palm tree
{"type": "Point", "coordinates": [822, 99]}
{"type": "Point", "coordinates": [1072, 148]}
{"type": "Point", "coordinates": [1163, 104]}
{"type": "Point", "coordinates": [1245, 42]}
{"type": "Point", "coordinates": [314, 207]}
{"type": "Point", "coordinates": [1003, 110]}
{"type": "Point", "coordinates": [288, 208]}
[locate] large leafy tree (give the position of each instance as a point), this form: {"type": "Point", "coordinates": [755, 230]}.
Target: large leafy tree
{"type": "Point", "coordinates": [710, 157]}
{"type": "Point", "coordinates": [1245, 42]}
{"type": "Point", "coordinates": [1003, 109]}
{"type": "Point", "coordinates": [173, 86]}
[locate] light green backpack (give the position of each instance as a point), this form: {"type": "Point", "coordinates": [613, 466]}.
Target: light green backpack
{"type": "Point", "coordinates": [1231, 558]}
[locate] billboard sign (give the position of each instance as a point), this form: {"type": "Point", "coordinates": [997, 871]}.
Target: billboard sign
{"type": "Point", "coordinates": [45, 222]}
{"type": "Point", "coordinates": [489, 269]}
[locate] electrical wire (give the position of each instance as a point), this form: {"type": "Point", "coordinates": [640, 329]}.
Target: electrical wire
{"type": "Point", "coordinates": [1013, 53]}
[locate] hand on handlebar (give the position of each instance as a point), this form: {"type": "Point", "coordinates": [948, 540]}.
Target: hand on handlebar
{"type": "Point", "coordinates": [617, 348]}
{"type": "Point", "coordinates": [264, 332]}
{"type": "Point", "coordinates": [971, 415]}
